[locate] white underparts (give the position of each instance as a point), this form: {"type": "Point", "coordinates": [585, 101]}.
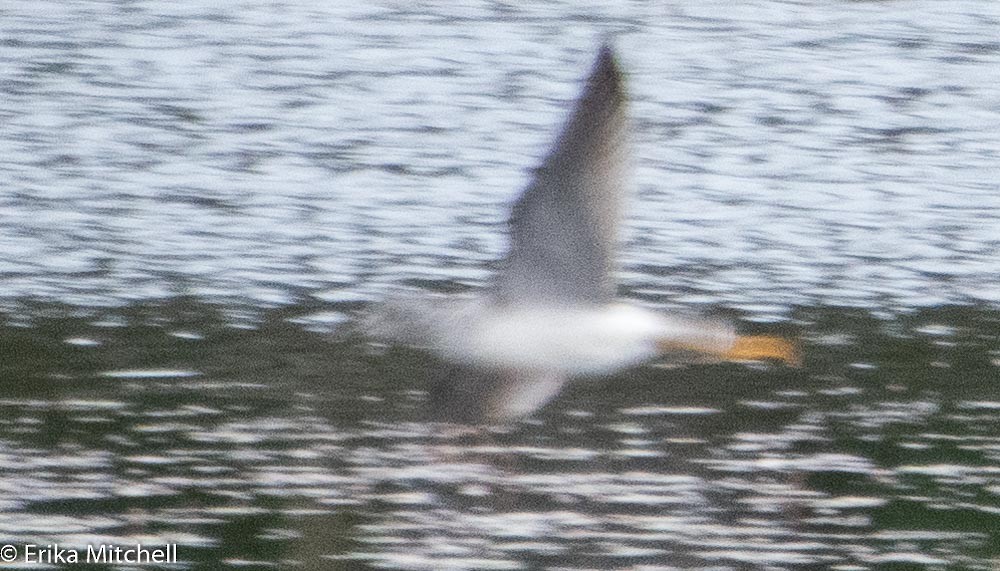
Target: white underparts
{"type": "Point", "coordinates": [572, 341]}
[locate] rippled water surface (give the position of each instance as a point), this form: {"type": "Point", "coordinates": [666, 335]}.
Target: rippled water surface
{"type": "Point", "coordinates": [198, 199]}
{"type": "Point", "coordinates": [274, 446]}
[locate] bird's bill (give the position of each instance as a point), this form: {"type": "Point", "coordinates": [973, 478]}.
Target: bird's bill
{"type": "Point", "coordinates": [744, 348]}
{"type": "Point", "coordinates": [765, 348]}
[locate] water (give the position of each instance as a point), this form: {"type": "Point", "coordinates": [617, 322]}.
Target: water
{"type": "Point", "coordinates": [274, 446]}
{"type": "Point", "coordinates": [198, 200]}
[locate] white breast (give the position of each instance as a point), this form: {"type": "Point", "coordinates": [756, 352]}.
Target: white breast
{"type": "Point", "coordinates": [573, 341]}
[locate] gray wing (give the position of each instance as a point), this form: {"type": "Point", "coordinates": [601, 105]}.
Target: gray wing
{"type": "Point", "coordinates": [564, 227]}
{"type": "Point", "coordinates": [472, 395]}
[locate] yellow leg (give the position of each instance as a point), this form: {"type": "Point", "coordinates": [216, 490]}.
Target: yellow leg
{"type": "Point", "coordinates": [765, 347]}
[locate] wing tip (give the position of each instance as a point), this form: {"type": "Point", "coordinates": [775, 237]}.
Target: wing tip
{"type": "Point", "coordinates": [607, 70]}
{"type": "Point", "coordinates": [606, 53]}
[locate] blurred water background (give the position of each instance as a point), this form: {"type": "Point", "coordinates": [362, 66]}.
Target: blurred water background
{"type": "Point", "coordinates": [198, 198]}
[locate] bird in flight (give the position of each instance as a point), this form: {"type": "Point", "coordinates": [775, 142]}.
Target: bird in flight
{"type": "Point", "coordinates": [552, 313]}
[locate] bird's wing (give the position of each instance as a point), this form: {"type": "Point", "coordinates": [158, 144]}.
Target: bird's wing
{"type": "Point", "coordinates": [564, 227]}
{"type": "Point", "coordinates": [473, 395]}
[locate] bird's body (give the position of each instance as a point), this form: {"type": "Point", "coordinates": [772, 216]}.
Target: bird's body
{"type": "Point", "coordinates": [552, 313]}
{"type": "Point", "coordinates": [574, 341]}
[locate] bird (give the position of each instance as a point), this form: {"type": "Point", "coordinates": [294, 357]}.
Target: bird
{"type": "Point", "coordinates": [551, 314]}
